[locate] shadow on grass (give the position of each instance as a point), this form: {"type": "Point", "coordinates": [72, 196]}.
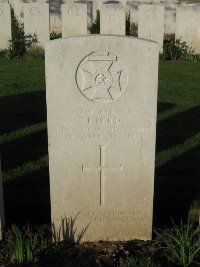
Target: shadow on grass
{"type": "Point", "coordinates": [177, 182]}
{"type": "Point", "coordinates": [19, 111]}
{"type": "Point", "coordinates": [28, 148]}
{"type": "Point", "coordinates": [27, 196]}
{"type": "Point", "coordinates": [26, 188]}
{"type": "Point", "coordinates": [162, 106]}
{"type": "Point", "coordinates": [176, 129]}
{"type": "Point", "coordinates": [177, 185]}
{"type": "Point", "coordinates": [27, 199]}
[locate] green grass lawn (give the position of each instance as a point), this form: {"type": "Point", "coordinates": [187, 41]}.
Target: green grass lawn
{"type": "Point", "coordinates": [23, 141]}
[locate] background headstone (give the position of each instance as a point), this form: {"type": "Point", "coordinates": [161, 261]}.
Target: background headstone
{"type": "Point", "coordinates": [97, 5]}
{"type": "Point", "coordinates": [55, 13]}
{"type": "Point", "coordinates": [151, 23]}
{"type": "Point", "coordinates": [188, 25]}
{"type": "Point", "coordinates": [74, 19]}
{"type": "Point", "coordinates": [2, 217]}
{"type": "Point", "coordinates": [36, 21]}
{"type": "Point", "coordinates": [102, 135]}
{"type": "Point", "coordinates": [112, 19]}
{"type": "Point", "coordinates": [169, 17]}
{"type": "Point", "coordinates": [5, 25]}
{"type": "Point", "coordinates": [89, 5]}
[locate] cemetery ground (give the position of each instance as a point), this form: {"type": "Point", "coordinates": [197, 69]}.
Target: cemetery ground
{"type": "Point", "coordinates": [24, 153]}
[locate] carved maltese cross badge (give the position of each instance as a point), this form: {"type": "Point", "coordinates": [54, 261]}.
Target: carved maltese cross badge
{"type": "Point", "coordinates": [101, 78]}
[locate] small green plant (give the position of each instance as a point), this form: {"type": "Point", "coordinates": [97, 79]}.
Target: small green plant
{"type": "Point", "coordinates": [175, 49]}
{"type": "Point", "coordinates": [35, 52]}
{"type": "Point", "coordinates": [5, 53]}
{"type": "Point", "coordinates": [181, 243]}
{"type": "Point", "coordinates": [17, 255]}
{"type": "Point", "coordinates": [95, 28]}
{"type": "Point", "coordinates": [23, 245]}
{"type": "Point", "coordinates": [55, 35]}
{"type": "Point", "coordinates": [20, 43]}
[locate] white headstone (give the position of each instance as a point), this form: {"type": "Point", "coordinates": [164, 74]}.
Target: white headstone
{"type": "Point", "coordinates": [151, 23]}
{"type": "Point", "coordinates": [55, 13]}
{"type": "Point", "coordinates": [2, 217]}
{"type": "Point", "coordinates": [36, 21]}
{"type": "Point", "coordinates": [97, 5]}
{"type": "Point", "coordinates": [112, 19]}
{"type": "Point", "coordinates": [5, 25]}
{"type": "Point", "coordinates": [188, 25]}
{"type": "Point", "coordinates": [101, 110]}
{"type": "Point", "coordinates": [89, 5]}
{"type": "Point", "coordinates": [74, 19]}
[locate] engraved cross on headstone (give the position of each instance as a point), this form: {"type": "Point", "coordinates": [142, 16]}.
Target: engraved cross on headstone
{"type": "Point", "coordinates": [102, 169]}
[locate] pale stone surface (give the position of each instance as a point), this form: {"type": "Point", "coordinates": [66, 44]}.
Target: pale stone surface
{"type": "Point", "coordinates": [36, 21]}
{"type": "Point", "coordinates": [151, 23]}
{"type": "Point", "coordinates": [2, 217]}
{"type": "Point", "coordinates": [55, 13]}
{"type": "Point", "coordinates": [5, 25]}
{"type": "Point", "coordinates": [97, 5]}
{"type": "Point", "coordinates": [42, 1]}
{"type": "Point", "coordinates": [101, 114]}
{"type": "Point", "coordinates": [93, 5]}
{"type": "Point", "coordinates": [169, 17]}
{"type": "Point", "coordinates": [74, 19]}
{"type": "Point", "coordinates": [89, 10]}
{"type": "Point", "coordinates": [188, 25]}
{"type": "Point", "coordinates": [112, 19]}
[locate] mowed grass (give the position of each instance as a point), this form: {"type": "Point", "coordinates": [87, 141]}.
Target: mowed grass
{"type": "Point", "coordinates": [24, 150]}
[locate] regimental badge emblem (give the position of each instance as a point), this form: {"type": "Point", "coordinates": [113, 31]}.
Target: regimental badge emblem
{"type": "Point", "coordinates": [101, 77]}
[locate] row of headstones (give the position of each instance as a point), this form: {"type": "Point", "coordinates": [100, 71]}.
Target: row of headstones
{"type": "Point", "coordinates": [112, 21]}
{"type": "Point", "coordinates": [93, 6]}
{"type": "Point", "coordinates": [102, 136]}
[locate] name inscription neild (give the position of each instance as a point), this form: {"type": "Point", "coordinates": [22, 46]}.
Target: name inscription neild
{"type": "Point", "coordinates": [102, 123]}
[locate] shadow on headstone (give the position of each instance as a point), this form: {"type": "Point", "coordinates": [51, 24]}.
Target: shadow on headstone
{"type": "Point", "coordinates": [68, 231]}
